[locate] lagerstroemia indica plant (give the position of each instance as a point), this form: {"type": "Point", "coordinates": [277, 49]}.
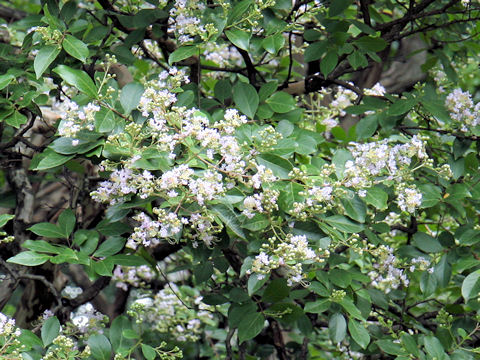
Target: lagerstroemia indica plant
{"type": "Point", "coordinates": [255, 179]}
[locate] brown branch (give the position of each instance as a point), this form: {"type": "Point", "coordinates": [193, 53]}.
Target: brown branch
{"type": "Point", "coordinates": [11, 14]}
{"type": "Point", "coordinates": [91, 292]}
{"type": "Point", "coordinates": [251, 71]}
{"type": "Point", "coordinates": [365, 12]}
{"type": "Point", "coordinates": [278, 342]}
{"type": "Point", "coordinates": [228, 344]}
{"type": "Point", "coordinates": [47, 284]}
{"type": "Point", "coordinates": [81, 279]}
{"type": "Point", "coordinates": [22, 132]}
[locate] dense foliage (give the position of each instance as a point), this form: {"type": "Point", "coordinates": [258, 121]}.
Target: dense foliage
{"type": "Point", "coordinates": [255, 179]}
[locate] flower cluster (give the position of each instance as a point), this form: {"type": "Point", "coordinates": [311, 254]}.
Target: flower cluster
{"type": "Point", "coordinates": [10, 345]}
{"type": "Point", "coordinates": [409, 198]}
{"type": "Point", "coordinates": [134, 276]}
{"type": "Point", "coordinates": [265, 202]}
{"type": "Point", "coordinates": [462, 109]}
{"type": "Point", "coordinates": [222, 54]}
{"type": "Point", "coordinates": [7, 326]}
{"type": "Point", "coordinates": [75, 119]}
{"type": "Point", "coordinates": [168, 314]}
{"type": "Point", "coordinates": [328, 106]}
{"type": "Point", "coordinates": [214, 163]}
{"type": "Point", "coordinates": [184, 22]}
{"type": "Point", "coordinates": [378, 162]}
{"type": "Point", "coordinates": [71, 292]}
{"type": "Point", "coordinates": [65, 347]}
{"type": "Point", "coordinates": [386, 274]}
{"type": "Point", "coordinates": [290, 254]}
{"type": "Point", "coordinates": [87, 320]}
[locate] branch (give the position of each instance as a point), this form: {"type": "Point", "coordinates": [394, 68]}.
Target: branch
{"type": "Point", "coordinates": [91, 292]}
{"type": "Point", "coordinates": [249, 64]}
{"type": "Point", "coordinates": [228, 345]}
{"type": "Point", "coordinates": [22, 132]}
{"type": "Point", "coordinates": [365, 12]}
{"type": "Point", "coordinates": [278, 340]}
{"type": "Point", "coordinates": [11, 14]}
{"type": "Point", "coordinates": [47, 284]}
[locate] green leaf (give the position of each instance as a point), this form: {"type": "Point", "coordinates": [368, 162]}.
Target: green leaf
{"type": "Point", "coordinates": [276, 291]}
{"type": "Point", "coordinates": [130, 334]}
{"type": "Point", "coordinates": [87, 240]}
{"type": "Point", "coordinates": [64, 145]}
{"type": "Point", "coordinates": [328, 63]}
{"type": "Point", "coordinates": [359, 333]}
{"type": "Point", "coordinates": [471, 285]}
{"type": "Point", "coordinates": [428, 283]}
{"type": "Point", "coordinates": [128, 260]}
{"type": "Point", "coordinates": [273, 43]}
{"type": "Point", "coordinates": [434, 348]}
{"type": "Point", "coordinates": [29, 339]}
{"type": "Point", "coordinates": [255, 282]}
{"type": "Point", "coordinates": [369, 43]}
{"type": "Point", "coordinates": [149, 352]}
{"type": "Point", "coordinates": [377, 197]}
{"type": "Point", "coordinates": [431, 195]}
{"type": "Point", "coordinates": [223, 90]}
{"type": "Point", "coordinates": [4, 218]}
{"type": "Point", "coordinates": [104, 119]}
{"type": "Point", "coordinates": [281, 102]}
{"type": "Point", "coordinates": [409, 343]}
{"type": "Point", "coordinates": [100, 347]}
{"type": "Point", "coordinates": [237, 312]}
{"type": "Point", "coordinates": [318, 307]}
{"type": "Point", "coordinates": [50, 330]}
{"type": "Point", "coordinates": [66, 222]}
{"type": "Point", "coordinates": [103, 267]}
{"type": "Point", "coordinates": [351, 309]}
{"type": "Point", "coordinates": [78, 79]}
{"type": "Point", "coordinates": [47, 230]}
{"type": "Point", "coordinates": [366, 127]}
{"type": "Point", "coordinates": [443, 271]}
{"type": "Point", "coordinates": [426, 243]}
{"type": "Point", "coordinates": [113, 229]}
{"type": "Point", "coordinates": [16, 120]}
{"type": "Point", "coordinates": [229, 219]}
{"type": "Point", "coordinates": [44, 58]}
{"type": "Point", "coordinates": [5, 80]}
{"type": "Point", "coordinates": [315, 51]}
{"type": "Point", "coordinates": [390, 347]}
{"type": "Point", "coordinates": [239, 38]}
{"type": "Point", "coordinates": [355, 208]}
{"type": "Point", "coordinates": [279, 166]}
{"type": "Point", "coordinates": [246, 99]}
{"type": "Point", "coordinates": [29, 258]}
{"type": "Point", "coordinates": [41, 246]}
{"type": "Point", "coordinates": [75, 47]}
{"type": "Point", "coordinates": [238, 10]}
{"type": "Point", "coordinates": [111, 246]}
{"type": "Point", "coordinates": [130, 96]}
{"type": "Point", "coordinates": [337, 328]}
{"type": "Point", "coordinates": [120, 324]}
{"type": "Point", "coordinates": [182, 53]}
{"type": "Point", "coordinates": [51, 160]}
{"type": "Point", "coordinates": [250, 326]}
{"type": "Point", "coordinates": [402, 106]}
{"type": "Point", "coordinates": [337, 7]}
{"type": "Point", "coordinates": [342, 223]}
{"type": "Point", "coordinates": [258, 222]}
{"type": "Point", "coordinates": [339, 159]}
{"type": "Point", "coordinates": [203, 272]}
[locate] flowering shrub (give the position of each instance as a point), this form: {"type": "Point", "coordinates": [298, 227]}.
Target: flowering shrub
{"type": "Point", "coordinates": [255, 179]}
